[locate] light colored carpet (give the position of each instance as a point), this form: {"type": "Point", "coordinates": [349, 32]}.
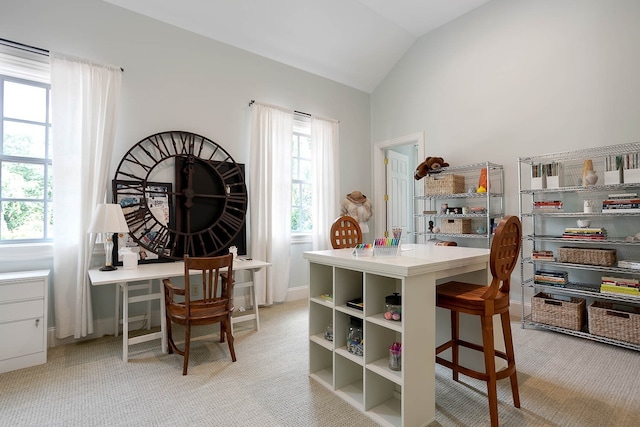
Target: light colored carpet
{"type": "Point", "coordinates": [564, 381]}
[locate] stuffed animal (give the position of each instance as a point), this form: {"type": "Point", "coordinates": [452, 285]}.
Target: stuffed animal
{"type": "Point", "coordinates": [429, 166]}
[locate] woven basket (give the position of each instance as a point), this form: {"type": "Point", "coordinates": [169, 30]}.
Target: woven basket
{"type": "Point", "coordinates": [589, 256]}
{"type": "Point", "coordinates": [563, 314]}
{"type": "Point", "coordinates": [446, 184]}
{"type": "Point", "coordinates": [619, 322]}
{"type": "Point", "coordinates": [455, 226]}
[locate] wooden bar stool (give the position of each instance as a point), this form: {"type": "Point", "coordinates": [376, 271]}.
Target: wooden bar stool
{"type": "Point", "coordinates": [486, 301]}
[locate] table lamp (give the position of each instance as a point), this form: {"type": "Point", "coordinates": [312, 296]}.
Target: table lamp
{"type": "Point", "coordinates": [108, 219]}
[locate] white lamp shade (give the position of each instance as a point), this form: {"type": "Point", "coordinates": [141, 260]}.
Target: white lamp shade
{"type": "Point", "coordinates": [108, 218]}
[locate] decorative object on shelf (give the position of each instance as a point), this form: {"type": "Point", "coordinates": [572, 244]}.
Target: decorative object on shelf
{"type": "Point", "coordinates": [356, 205]}
{"type": "Point", "coordinates": [589, 176]}
{"type": "Point", "coordinates": [483, 183]}
{"type": "Point", "coordinates": [328, 333]}
{"type": "Point", "coordinates": [583, 223]}
{"type": "Point", "coordinates": [108, 219]}
{"type": "Point", "coordinates": [588, 206]}
{"type": "Point", "coordinates": [395, 356]}
{"type": "Point", "coordinates": [393, 307]}
{"type": "Point", "coordinates": [429, 166]}
{"type": "Point", "coordinates": [355, 337]}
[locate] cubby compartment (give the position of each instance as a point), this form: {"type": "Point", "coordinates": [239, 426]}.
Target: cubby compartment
{"type": "Point", "coordinates": [383, 399]}
{"type": "Point", "coordinates": [321, 284]}
{"type": "Point", "coordinates": [321, 364]}
{"type": "Point", "coordinates": [348, 287]}
{"type": "Point", "coordinates": [377, 288]}
{"type": "Point", "coordinates": [349, 379]}
{"type": "Point", "coordinates": [378, 339]}
{"type": "Point", "coordinates": [320, 318]}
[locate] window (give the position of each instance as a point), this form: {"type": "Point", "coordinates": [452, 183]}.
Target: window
{"type": "Point", "coordinates": [301, 184]}
{"type": "Point", "coordinates": [26, 205]}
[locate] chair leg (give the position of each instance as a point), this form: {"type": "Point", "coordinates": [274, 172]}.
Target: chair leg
{"type": "Point", "coordinates": [455, 336]}
{"type": "Point", "coordinates": [490, 367]}
{"type": "Point", "coordinates": [187, 340]}
{"type": "Point", "coordinates": [511, 357]}
{"type": "Point", "coordinates": [222, 331]}
{"type": "Point", "coordinates": [227, 327]}
{"type": "Point", "coordinates": [172, 345]}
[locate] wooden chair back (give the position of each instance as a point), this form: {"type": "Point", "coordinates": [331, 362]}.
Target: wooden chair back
{"type": "Point", "coordinates": [215, 305]}
{"type": "Point", "coordinates": [503, 258]}
{"type": "Point", "coordinates": [345, 233]}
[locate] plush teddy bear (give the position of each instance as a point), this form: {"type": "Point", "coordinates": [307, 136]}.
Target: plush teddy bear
{"type": "Point", "coordinates": [429, 166]}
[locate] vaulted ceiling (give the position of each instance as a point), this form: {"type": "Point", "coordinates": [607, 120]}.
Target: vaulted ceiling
{"type": "Point", "coordinates": [354, 42]}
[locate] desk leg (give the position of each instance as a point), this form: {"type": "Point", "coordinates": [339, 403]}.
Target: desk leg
{"type": "Point", "coordinates": [254, 301]}
{"type": "Point", "coordinates": [125, 322]}
{"type": "Point", "coordinates": [117, 321]}
{"type": "Point", "coordinates": [254, 295]}
{"type": "Point", "coordinates": [163, 320]}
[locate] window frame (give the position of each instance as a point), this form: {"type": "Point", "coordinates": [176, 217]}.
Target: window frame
{"type": "Point", "coordinates": [301, 129]}
{"type": "Point", "coordinates": [46, 162]}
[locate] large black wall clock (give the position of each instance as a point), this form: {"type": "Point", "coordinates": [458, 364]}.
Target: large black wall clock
{"type": "Point", "coordinates": [208, 195]}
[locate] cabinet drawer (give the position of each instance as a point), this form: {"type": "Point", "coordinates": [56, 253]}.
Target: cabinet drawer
{"type": "Point", "coordinates": [22, 338]}
{"type": "Point", "coordinates": [21, 310]}
{"type": "Point", "coordinates": [16, 291]}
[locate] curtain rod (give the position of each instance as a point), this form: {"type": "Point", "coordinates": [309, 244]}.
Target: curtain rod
{"type": "Point", "coordinates": [29, 48]}
{"type": "Point", "coordinates": [253, 101]}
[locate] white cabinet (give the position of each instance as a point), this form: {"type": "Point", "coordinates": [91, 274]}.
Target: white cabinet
{"type": "Point", "coordinates": [23, 319]}
{"type": "Point", "coordinates": [448, 202]}
{"type": "Point", "coordinates": [555, 209]}
{"type": "Point", "coordinates": [330, 361]}
{"type": "Point", "coordinates": [392, 398]}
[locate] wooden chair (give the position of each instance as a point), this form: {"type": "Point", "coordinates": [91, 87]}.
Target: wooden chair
{"type": "Point", "coordinates": [485, 301]}
{"type": "Point", "coordinates": [211, 308]}
{"type": "Point", "coordinates": [345, 232]}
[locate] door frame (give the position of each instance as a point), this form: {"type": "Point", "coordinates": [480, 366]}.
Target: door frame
{"type": "Point", "coordinates": [379, 184]}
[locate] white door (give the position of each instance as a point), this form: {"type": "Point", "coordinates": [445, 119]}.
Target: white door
{"type": "Point", "coordinates": [399, 195]}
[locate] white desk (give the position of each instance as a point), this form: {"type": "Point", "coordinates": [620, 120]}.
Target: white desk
{"type": "Point", "coordinates": [121, 278]}
{"type": "Point", "coordinates": [393, 398]}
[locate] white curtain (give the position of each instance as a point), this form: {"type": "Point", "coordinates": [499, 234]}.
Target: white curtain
{"type": "Point", "coordinates": [84, 99]}
{"type": "Point", "coordinates": [270, 199]}
{"type": "Point", "coordinates": [326, 179]}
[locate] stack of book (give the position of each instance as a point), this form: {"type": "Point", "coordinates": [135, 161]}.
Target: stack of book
{"type": "Point", "coordinates": [548, 206]}
{"type": "Point", "coordinates": [620, 285]}
{"type": "Point", "coordinates": [585, 233]}
{"type": "Point", "coordinates": [621, 203]}
{"type": "Point", "coordinates": [542, 256]}
{"type": "Point", "coordinates": [629, 264]}
{"type": "Point", "coordinates": [553, 278]}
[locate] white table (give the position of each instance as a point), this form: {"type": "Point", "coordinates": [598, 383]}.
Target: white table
{"type": "Point", "coordinates": [393, 398]}
{"type": "Point", "coordinates": [149, 272]}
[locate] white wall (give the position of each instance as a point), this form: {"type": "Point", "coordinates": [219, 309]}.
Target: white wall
{"type": "Point", "coordinates": [516, 78]}
{"type": "Point", "coordinates": [176, 80]}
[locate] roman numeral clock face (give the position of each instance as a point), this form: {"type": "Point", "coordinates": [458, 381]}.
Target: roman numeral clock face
{"type": "Point", "coordinates": [181, 194]}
